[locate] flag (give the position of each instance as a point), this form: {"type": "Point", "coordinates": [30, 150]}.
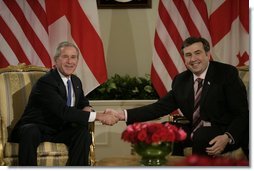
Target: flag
{"type": "Point", "coordinates": [224, 23]}
{"type": "Point", "coordinates": [31, 30]}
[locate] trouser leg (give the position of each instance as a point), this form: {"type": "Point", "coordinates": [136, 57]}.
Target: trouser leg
{"type": "Point", "coordinates": [29, 136]}
{"type": "Point", "coordinates": [179, 147]}
{"type": "Point", "coordinates": [78, 140]}
{"type": "Point", "coordinates": [79, 148]}
{"type": "Point", "coordinates": [245, 143]}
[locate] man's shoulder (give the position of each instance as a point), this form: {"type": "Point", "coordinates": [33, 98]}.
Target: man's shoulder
{"type": "Point", "coordinates": [222, 65]}
{"type": "Point", "coordinates": [51, 76]}
{"type": "Point", "coordinates": [75, 78]}
{"type": "Point", "coordinates": [184, 74]}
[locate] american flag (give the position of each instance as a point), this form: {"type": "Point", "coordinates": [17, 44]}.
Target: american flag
{"type": "Point", "coordinates": [224, 23]}
{"type": "Point", "coordinates": [30, 31]}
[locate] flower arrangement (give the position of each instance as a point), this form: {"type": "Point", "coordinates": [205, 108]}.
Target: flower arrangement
{"type": "Point", "coordinates": [152, 133]}
{"type": "Point", "coordinates": [197, 160]}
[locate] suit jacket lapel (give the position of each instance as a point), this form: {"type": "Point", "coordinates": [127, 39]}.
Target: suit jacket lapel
{"type": "Point", "coordinates": [76, 88]}
{"type": "Point", "coordinates": [190, 90]}
{"type": "Point", "coordinates": [62, 89]}
{"type": "Point", "coordinates": [207, 83]}
{"type": "Point", "coordinates": [60, 84]}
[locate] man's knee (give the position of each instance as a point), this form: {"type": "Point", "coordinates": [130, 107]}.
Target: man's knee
{"type": "Point", "coordinates": [201, 140]}
{"type": "Point", "coordinates": [83, 133]}
{"type": "Point", "coordinates": [201, 137]}
{"type": "Point", "coordinates": [29, 131]}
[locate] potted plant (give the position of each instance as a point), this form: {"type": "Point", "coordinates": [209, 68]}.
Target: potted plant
{"type": "Point", "coordinates": [122, 92]}
{"type": "Point", "coordinates": [124, 88]}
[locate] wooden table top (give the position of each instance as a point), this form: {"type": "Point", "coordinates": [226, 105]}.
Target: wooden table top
{"type": "Point", "coordinates": [133, 160]}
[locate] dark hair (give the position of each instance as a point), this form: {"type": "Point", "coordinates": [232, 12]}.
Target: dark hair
{"type": "Point", "coordinates": [189, 41]}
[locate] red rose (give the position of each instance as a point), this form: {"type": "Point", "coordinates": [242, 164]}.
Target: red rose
{"type": "Point", "coordinates": [181, 135]}
{"type": "Point", "coordinates": [149, 133]}
{"type": "Point", "coordinates": [196, 160]}
{"type": "Point", "coordinates": [142, 135]}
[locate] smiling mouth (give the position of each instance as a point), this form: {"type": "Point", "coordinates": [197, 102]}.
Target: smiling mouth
{"type": "Point", "coordinates": [69, 67]}
{"type": "Point", "coordinates": [195, 64]}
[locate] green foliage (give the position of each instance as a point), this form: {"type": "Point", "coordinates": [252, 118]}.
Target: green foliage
{"type": "Point", "coordinates": [124, 88]}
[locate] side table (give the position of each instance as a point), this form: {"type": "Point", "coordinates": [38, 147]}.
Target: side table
{"type": "Point", "coordinates": [133, 160]}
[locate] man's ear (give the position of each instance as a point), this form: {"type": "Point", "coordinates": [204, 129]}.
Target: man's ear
{"type": "Point", "coordinates": [208, 54]}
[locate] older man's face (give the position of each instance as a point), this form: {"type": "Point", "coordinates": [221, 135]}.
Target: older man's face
{"type": "Point", "coordinates": [67, 62]}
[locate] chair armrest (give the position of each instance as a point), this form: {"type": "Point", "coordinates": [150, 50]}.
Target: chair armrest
{"type": "Point", "coordinates": [1, 143]}
{"type": "Point", "coordinates": [178, 119]}
{"type": "Point", "coordinates": [91, 128]}
{"type": "Point", "coordinates": [181, 120]}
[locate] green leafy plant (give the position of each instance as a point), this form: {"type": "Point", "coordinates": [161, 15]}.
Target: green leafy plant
{"type": "Point", "coordinates": [124, 88]}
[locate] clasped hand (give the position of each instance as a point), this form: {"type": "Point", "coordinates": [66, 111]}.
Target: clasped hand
{"type": "Point", "coordinates": [108, 117]}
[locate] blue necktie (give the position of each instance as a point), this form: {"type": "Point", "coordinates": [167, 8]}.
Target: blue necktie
{"type": "Point", "coordinates": [69, 92]}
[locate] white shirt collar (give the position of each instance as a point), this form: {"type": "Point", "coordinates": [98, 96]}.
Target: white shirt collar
{"type": "Point", "coordinates": [64, 78]}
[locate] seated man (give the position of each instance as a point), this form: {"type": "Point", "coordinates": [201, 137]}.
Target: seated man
{"type": "Point", "coordinates": [58, 111]}
{"type": "Point", "coordinates": [210, 95]}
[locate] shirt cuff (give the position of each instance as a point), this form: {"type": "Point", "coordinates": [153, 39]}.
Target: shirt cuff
{"type": "Point", "coordinates": [125, 115]}
{"type": "Point", "coordinates": [92, 117]}
{"type": "Point", "coordinates": [231, 141]}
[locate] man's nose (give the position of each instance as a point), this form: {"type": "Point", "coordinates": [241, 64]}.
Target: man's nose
{"type": "Point", "coordinates": [193, 57]}
{"type": "Point", "coordinates": [69, 59]}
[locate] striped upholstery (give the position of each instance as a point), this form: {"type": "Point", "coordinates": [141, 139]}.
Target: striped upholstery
{"type": "Point", "coordinates": [49, 154]}
{"type": "Point", "coordinates": [15, 88]}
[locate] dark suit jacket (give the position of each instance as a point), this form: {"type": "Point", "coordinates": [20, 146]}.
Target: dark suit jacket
{"type": "Point", "coordinates": [223, 100]}
{"type": "Point", "coordinates": [47, 103]}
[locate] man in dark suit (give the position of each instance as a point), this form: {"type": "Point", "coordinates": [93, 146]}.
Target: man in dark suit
{"type": "Point", "coordinates": [49, 116]}
{"type": "Point", "coordinates": [223, 107]}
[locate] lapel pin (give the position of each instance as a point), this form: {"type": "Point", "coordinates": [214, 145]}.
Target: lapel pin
{"type": "Point", "coordinates": [208, 83]}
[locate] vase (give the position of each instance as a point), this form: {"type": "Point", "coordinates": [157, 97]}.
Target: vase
{"type": "Point", "coordinates": [153, 154]}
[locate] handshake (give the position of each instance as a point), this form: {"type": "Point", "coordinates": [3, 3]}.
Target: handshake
{"type": "Point", "coordinates": [110, 116]}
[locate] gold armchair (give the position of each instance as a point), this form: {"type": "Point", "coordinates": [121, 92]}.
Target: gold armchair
{"type": "Point", "coordinates": [16, 83]}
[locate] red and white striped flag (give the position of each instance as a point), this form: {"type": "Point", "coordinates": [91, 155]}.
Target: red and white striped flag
{"type": "Point", "coordinates": [224, 23]}
{"type": "Point", "coordinates": [30, 31]}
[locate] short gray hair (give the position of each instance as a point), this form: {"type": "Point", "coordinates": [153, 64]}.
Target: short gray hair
{"type": "Point", "coordinates": [64, 44]}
